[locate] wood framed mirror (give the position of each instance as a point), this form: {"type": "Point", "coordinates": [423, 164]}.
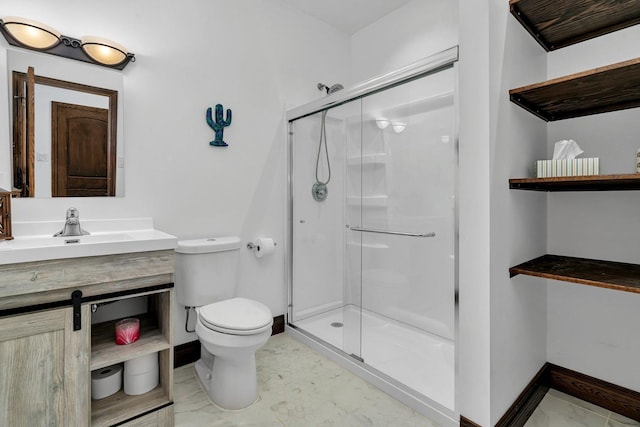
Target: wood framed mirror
{"type": "Point", "coordinates": [83, 157]}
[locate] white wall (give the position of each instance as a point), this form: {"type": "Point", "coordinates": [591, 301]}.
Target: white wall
{"type": "Point", "coordinates": [518, 218]}
{"type": "Point", "coordinates": [255, 57]}
{"type": "Point", "coordinates": [593, 330]}
{"type": "Point", "coordinates": [474, 339]}
{"type": "Point", "coordinates": [502, 326]}
{"type": "Point", "coordinates": [412, 32]}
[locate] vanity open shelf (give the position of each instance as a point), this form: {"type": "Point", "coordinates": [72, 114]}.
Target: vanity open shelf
{"type": "Point", "coordinates": [104, 352]}
{"type": "Point", "coordinates": [618, 276]}
{"type": "Point", "coordinates": [600, 90]}
{"type": "Point", "coordinates": [624, 182]}
{"type": "Point", "coordinates": [155, 337]}
{"type": "Point", "coordinates": [120, 407]}
{"type": "Point", "coordinates": [559, 23]}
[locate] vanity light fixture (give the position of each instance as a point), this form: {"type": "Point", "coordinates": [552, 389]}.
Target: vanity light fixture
{"type": "Point", "coordinates": [34, 35]}
{"type": "Point", "coordinates": [104, 51]}
{"type": "Point", "coordinates": [31, 34]}
{"type": "Point", "coordinates": [382, 123]}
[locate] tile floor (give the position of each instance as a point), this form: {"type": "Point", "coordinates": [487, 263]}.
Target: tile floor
{"type": "Point", "coordinates": [561, 410]}
{"type": "Point", "coordinates": [300, 387]}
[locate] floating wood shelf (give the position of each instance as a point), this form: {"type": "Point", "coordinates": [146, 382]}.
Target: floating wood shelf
{"type": "Point", "coordinates": [600, 90]}
{"type": "Point", "coordinates": [603, 274]}
{"type": "Point", "coordinates": [579, 183]}
{"type": "Point", "coordinates": [559, 23]}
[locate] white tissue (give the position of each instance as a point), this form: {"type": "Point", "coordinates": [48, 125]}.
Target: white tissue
{"type": "Point", "coordinates": [566, 150]}
{"type": "Point", "coordinates": [106, 381]}
{"type": "Point", "coordinates": [141, 374]}
{"type": "Point", "coordinates": [265, 246]}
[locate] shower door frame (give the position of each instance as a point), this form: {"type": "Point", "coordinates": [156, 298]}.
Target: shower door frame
{"type": "Point", "coordinates": [430, 65]}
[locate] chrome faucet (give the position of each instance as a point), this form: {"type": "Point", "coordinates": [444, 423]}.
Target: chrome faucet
{"type": "Point", "coordinates": [72, 225]}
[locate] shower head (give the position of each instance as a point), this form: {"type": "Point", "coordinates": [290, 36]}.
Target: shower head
{"type": "Point", "coordinates": [336, 87]}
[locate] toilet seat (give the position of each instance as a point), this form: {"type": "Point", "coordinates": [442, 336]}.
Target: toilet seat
{"type": "Point", "coordinates": [236, 316]}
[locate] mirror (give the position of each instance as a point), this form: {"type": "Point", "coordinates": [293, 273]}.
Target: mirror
{"type": "Point", "coordinates": [67, 137]}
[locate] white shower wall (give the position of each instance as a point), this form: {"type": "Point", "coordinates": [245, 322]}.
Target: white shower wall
{"type": "Point", "coordinates": [319, 254]}
{"type": "Point", "coordinates": [405, 182]}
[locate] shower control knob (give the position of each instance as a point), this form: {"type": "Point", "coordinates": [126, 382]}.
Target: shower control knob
{"type": "Point", "coordinates": [302, 221]}
{"type": "Point", "coordinates": [319, 191]}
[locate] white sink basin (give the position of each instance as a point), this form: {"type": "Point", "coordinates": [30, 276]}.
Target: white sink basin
{"type": "Point", "coordinates": [39, 247]}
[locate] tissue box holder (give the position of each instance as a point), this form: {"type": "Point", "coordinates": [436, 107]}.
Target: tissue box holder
{"type": "Point", "coordinates": [573, 167]}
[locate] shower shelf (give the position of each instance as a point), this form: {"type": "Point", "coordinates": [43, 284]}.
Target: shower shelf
{"type": "Point", "coordinates": [379, 201]}
{"type": "Point", "coordinates": [368, 159]}
{"type": "Point", "coordinates": [603, 274]}
{"type": "Point", "coordinates": [368, 245]}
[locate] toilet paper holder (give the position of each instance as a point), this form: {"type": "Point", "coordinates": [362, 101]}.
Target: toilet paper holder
{"type": "Point", "coordinates": [251, 246]}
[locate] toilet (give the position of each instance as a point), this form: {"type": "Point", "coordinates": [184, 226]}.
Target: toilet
{"type": "Point", "coordinates": [230, 329]}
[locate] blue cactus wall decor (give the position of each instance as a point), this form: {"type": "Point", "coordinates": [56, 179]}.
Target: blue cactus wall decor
{"type": "Point", "coordinates": [218, 125]}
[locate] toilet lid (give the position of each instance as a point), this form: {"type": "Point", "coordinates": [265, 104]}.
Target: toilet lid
{"type": "Point", "coordinates": [235, 316]}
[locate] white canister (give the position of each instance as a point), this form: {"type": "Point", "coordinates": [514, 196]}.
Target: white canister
{"type": "Point", "coordinates": [141, 374]}
{"type": "Point", "coordinates": [106, 381]}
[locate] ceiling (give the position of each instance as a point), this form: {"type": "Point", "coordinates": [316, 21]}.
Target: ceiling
{"type": "Point", "coordinates": [349, 16]}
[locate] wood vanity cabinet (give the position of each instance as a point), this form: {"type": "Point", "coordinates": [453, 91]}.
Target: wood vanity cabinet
{"type": "Point", "coordinates": [49, 346]}
{"type": "Point", "coordinates": [44, 376]}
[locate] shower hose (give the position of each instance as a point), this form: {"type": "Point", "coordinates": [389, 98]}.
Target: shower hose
{"type": "Point", "coordinates": [323, 138]}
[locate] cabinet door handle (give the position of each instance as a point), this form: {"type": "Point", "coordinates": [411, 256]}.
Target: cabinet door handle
{"type": "Point", "coordinates": [76, 300]}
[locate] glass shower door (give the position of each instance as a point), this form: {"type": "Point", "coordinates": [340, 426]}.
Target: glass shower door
{"type": "Point", "coordinates": [321, 303]}
{"type": "Point", "coordinates": [406, 230]}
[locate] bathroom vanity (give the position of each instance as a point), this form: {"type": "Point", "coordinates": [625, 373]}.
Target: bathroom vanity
{"type": "Point", "coordinates": [49, 346]}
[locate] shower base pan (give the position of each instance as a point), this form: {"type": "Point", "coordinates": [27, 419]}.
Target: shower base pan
{"type": "Point", "coordinates": [413, 366]}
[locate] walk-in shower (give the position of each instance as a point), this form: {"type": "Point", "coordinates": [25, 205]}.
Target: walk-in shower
{"type": "Point", "coordinates": [372, 268]}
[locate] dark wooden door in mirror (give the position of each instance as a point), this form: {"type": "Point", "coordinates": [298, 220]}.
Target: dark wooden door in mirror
{"type": "Point", "coordinates": [82, 151]}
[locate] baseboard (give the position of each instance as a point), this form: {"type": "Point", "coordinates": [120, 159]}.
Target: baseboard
{"type": "Point", "coordinates": [466, 422]}
{"type": "Point", "coordinates": [607, 395]}
{"type": "Point", "coordinates": [186, 353]}
{"type": "Point", "coordinates": [527, 402]}
{"type": "Point", "coordinates": [278, 325]}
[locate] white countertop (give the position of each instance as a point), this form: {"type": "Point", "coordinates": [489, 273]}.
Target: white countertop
{"type": "Point", "coordinates": [34, 241]}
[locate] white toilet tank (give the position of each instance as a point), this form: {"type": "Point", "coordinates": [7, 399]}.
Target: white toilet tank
{"type": "Point", "coordinates": [205, 270]}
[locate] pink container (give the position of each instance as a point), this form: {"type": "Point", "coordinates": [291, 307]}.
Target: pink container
{"type": "Point", "coordinates": [127, 331]}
